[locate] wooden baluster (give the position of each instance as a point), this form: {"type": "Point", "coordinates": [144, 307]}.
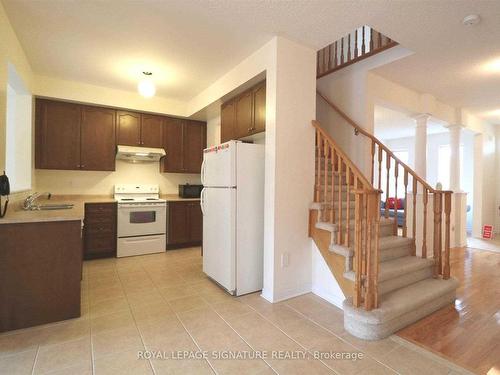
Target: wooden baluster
{"type": "Point", "coordinates": [371, 251]}
{"type": "Point", "coordinates": [424, 234]}
{"type": "Point", "coordinates": [318, 59]}
{"type": "Point", "coordinates": [341, 51]}
{"type": "Point", "coordinates": [414, 221]}
{"type": "Point", "coordinates": [437, 234]}
{"type": "Point", "coordinates": [333, 184]}
{"type": "Point", "coordinates": [388, 172]}
{"type": "Point", "coordinates": [325, 179]}
{"type": "Point", "coordinates": [329, 57]}
{"type": "Point", "coordinates": [396, 172]}
{"type": "Point", "coordinates": [349, 47]}
{"type": "Point", "coordinates": [318, 173]}
{"type": "Point", "coordinates": [447, 211]}
{"type": "Point", "coordinates": [348, 206]}
{"type": "Point", "coordinates": [379, 167]}
{"type": "Point", "coordinates": [371, 39]}
{"type": "Point", "coordinates": [373, 162]}
{"type": "Point", "coordinates": [336, 59]}
{"type": "Point", "coordinates": [339, 223]}
{"type": "Point", "coordinates": [356, 43]}
{"type": "Point", "coordinates": [379, 40]}
{"type": "Point", "coordinates": [363, 44]}
{"type": "Point", "coordinates": [376, 217]}
{"type": "Point", "coordinates": [358, 205]}
{"type": "Point", "coordinates": [405, 219]}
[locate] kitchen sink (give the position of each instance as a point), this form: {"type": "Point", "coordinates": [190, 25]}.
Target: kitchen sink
{"type": "Point", "coordinates": [55, 206]}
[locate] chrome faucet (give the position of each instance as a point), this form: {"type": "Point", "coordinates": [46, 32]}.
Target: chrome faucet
{"type": "Point", "coordinates": [29, 202]}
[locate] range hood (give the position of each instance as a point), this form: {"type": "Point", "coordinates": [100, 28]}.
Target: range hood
{"type": "Point", "coordinates": [139, 154]}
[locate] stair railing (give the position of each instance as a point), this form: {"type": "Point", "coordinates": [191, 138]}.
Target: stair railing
{"type": "Point", "coordinates": [383, 161]}
{"type": "Point", "coordinates": [355, 46]}
{"type": "Point", "coordinates": [336, 179]}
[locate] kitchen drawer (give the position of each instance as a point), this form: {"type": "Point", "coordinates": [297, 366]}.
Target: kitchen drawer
{"type": "Point", "coordinates": [100, 220]}
{"type": "Point", "coordinates": [97, 243]}
{"type": "Point", "coordinates": [99, 229]}
{"type": "Point", "coordinates": [100, 209]}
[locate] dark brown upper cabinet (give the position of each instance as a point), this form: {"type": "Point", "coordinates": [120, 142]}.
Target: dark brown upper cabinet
{"type": "Point", "coordinates": [259, 108]}
{"type": "Point", "coordinates": [57, 135]}
{"type": "Point", "coordinates": [97, 139]}
{"type": "Point", "coordinates": [128, 128]}
{"type": "Point", "coordinates": [152, 130]}
{"type": "Point", "coordinates": [172, 143]}
{"type": "Point", "coordinates": [195, 141]}
{"type": "Point", "coordinates": [72, 136]}
{"type": "Point", "coordinates": [139, 129]}
{"type": "Point", "coordinates": [228, 120]}
{"type": "Point", "coordinates": [245, 114]}
{"type": "Point", "coordinates": [184, 141]}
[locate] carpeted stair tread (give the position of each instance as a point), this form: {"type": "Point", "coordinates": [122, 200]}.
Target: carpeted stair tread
{"type": "Point", "coordinates": [401, 266]}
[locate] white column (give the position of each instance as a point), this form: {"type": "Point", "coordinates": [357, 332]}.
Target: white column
{"type": "Point", "coordinates": [455, 135]}
{"type": "Point", "coordinates": [421, 145]}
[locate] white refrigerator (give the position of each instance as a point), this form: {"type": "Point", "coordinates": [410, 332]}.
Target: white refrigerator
{"type": "Point", "coordinates": [232, 202]}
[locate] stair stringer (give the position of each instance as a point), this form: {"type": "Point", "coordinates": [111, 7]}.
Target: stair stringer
{"type": "Point", "coordinates": [336, 263]}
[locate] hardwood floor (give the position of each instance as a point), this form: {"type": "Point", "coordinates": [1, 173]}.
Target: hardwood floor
{"type": "Point", "coordinates": [469, 332]}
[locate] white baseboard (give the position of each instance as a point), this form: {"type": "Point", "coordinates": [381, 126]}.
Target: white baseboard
{"type": "Point", "coordinates": [282, 295]}
{"type": "Point", "coordinates": [330, 297]}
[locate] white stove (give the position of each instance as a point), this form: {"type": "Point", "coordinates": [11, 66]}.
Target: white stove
{"type": "Point", "coordinates": [142, 220]}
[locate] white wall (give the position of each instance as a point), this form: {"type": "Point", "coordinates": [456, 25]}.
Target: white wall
{"type": "Point", "coordinates": [12, 53]}
{"type": "Point", "coordinates": [18, 158]}
{"type": "Point", "coordinates": [289, 170]}
{"type": "Point", "coordinates": [324, 283]}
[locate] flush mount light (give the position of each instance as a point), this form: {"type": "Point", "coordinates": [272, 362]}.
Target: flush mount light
{"type": "Point", "coordinates": [471, 20]}
{"type": "Point", "coordinates": [492, 66]}
{"type": "Point", "coordinates": [146, 86]}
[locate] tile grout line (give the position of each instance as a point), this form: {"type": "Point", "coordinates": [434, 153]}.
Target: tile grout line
{"type": "Point", "coordinates": [34, 362]}
{"type": "Point", "coordinates": [291, 338]}
{"type": "Point", "coordinates": [189, 333]}
{"type": "Point", "coordinates": [133, 317]}
{"type": "Point", "coordinates": [245, 341]}
{"type": "Point", "coordinates": [343, 339]}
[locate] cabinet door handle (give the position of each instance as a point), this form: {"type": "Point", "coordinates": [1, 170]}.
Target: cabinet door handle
{"type": "Point", "coordinates": [82, 166]}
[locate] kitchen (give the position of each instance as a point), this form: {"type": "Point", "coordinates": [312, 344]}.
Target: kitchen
{"type": "Point", "coordinates": [123, 183]}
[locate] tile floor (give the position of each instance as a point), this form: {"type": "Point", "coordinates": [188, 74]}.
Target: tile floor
{"type": "Point", "coordinates": [165, 304]}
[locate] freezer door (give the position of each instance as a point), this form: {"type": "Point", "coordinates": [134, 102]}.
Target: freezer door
{"type": "Point", "coordinates": [219, 165]}
{"type": "Point", "coordinates": [219, 235]}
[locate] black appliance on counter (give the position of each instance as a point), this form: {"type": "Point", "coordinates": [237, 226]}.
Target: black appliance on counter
{"type": "Point", "coordinates": [190, 191]}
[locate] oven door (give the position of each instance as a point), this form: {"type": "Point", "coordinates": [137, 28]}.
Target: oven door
{"type": "Point", "coordinates": [141, 220]}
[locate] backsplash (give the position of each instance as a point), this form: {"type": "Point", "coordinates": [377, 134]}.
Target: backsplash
{"type": "Point", "coordinates": [99, 183]}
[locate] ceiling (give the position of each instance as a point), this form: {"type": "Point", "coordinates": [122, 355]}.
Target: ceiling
{"type": "Point", "coordinates": [390, 124]}
{"type": "Point", "coordinates": [189, 44]}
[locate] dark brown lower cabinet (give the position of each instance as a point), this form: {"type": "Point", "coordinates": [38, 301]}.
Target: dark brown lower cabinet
{"type": "Point", "coordinates": [40, 273]}
{"type": "Point", "coordinates": [184, 224]}
{"type": "Point", "coordinates": [99, 239]}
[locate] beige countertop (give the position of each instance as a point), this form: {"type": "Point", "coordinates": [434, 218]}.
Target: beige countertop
{"type": "Point", "coordinates": [16, 214]}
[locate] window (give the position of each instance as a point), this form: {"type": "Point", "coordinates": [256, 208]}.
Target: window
{"type": "Point", "coordinates": [444, 155]}
{"type": "Point", "coordinates": [18, 132]}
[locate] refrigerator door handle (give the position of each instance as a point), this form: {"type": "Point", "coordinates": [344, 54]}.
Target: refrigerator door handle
{"type": "Point", "coordinates": [202, 202]}
{"type": "Point", "coordinates": [203, 172]}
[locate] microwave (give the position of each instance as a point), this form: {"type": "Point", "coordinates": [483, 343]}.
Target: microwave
{"type": "Point", "coordinates": [190, 191]}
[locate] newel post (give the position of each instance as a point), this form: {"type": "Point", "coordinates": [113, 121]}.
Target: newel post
{"type": "Point", "coordinates": [447, 211]}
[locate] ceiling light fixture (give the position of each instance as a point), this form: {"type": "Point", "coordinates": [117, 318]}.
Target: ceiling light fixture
{"type": "Point", "coordinates": [471, 20]}
{"type": "Point", "coordinates": [146, 86]}
{"type": "Point", "coordinates": [492, 66]}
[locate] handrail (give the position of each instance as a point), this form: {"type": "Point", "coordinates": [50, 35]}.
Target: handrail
{"type": "Point", "coordinates": [442, 267]}
{"type": "Point", "coordinates": [353, 167]}
{"type": "Point", "coordinates": [360, 130]}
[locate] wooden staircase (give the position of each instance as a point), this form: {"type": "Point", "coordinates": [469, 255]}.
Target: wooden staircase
{"type": "Point", "coordinates": [387, 286]}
